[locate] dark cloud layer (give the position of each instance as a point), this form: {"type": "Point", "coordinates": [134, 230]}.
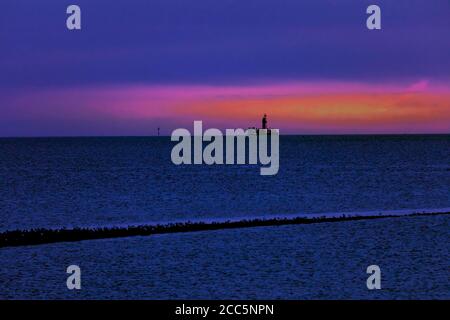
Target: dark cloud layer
{"type": "Point", "coordinates": [224, 41]}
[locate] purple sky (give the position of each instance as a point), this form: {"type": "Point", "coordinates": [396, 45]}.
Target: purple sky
{"type": "Point", "coordinates": [137, 43]}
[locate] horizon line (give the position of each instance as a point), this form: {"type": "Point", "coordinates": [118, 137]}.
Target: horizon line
{"type": "Point", "coordinates": [287, 134]}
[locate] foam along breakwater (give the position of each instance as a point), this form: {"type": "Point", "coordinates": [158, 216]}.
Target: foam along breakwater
{"type": "Point", "coordinates": [45, 236]}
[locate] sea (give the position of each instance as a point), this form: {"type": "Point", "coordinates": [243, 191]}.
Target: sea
{"type": "Point", "coordinates": [118, 181]}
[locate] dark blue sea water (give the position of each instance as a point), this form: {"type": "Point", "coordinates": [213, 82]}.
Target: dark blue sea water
{"type": "Point", "coordinates": [68, 182]}
{"type": "Point", "coordinates": [98, 181]}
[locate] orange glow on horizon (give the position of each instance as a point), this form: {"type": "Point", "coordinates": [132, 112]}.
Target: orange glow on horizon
{"type": "Point", "coordinates": [293, 108]}
{"type": "Point", "coordinates": [372, 111]}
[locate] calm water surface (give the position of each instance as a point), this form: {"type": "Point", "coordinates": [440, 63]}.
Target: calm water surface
{"type": "Point", "coordinates": [102, 181]}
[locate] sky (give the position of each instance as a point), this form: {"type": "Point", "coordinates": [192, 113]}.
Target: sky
{"type": "Point", "coordinates": [137, 65]}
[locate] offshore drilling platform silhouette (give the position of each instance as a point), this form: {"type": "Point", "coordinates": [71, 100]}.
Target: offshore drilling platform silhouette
{"type": "Point", "coordinates": [264, 128]}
